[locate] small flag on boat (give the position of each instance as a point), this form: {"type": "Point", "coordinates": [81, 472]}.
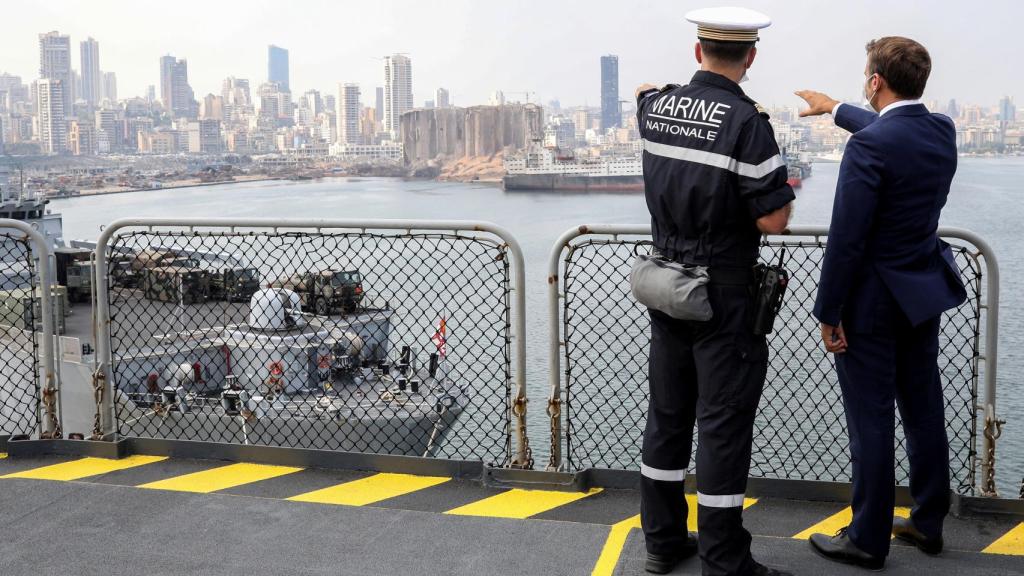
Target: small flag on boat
{"type": "Point", "coordinates": [440, 338]}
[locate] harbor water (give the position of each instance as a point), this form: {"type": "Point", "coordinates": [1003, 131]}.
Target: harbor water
{"type": "Point", "coordinates": [984, 199]}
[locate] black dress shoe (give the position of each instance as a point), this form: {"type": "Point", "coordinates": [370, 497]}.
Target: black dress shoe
{"type": "Point", "coordinates": [761, 570]}
{"type": "Point", "coordinates": [904, 529]}
{"type": "Point", "coordinates": [665, 563]}
{"type": "Point", "coordinates": [840, 548]}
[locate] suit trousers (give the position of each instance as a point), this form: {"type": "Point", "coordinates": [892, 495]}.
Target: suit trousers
{"type": "Point", "coordinates": [894, 364]}
{"type": "Point", "coordinates": [711, 373]}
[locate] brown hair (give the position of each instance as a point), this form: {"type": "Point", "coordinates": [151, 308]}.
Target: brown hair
{"type": "Point", "coordinates": [904, 63]}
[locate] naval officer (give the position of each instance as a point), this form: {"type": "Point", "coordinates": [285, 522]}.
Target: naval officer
{"type": "Point", "coordinates": [714, 183]}
{"type": "Point", "coordinates": [886, 280]}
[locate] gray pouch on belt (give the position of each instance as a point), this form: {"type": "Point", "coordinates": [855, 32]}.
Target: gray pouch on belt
{"type": "Point", "coordinates": [670, 287]}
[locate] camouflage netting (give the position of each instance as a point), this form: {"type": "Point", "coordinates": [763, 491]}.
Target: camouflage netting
{"type": "Point", "coordinates": [390, 342]}
{"type": "Point", "coordinates": [800, 430]}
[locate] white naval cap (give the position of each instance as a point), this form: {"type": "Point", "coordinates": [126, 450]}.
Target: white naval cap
{"type": "Point", "coordinates": [728, 24]}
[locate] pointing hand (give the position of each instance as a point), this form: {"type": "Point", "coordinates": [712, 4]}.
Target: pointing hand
{"type": "Point", "coordinates": [818, 103]}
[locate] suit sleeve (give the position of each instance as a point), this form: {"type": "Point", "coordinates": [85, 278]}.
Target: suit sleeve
{"type": "Point", "coordinates": [853, 215]}
{"type": "Point", "coordinates": [762, 174]}
{"type": "Point", "coordinates": [853, 118]}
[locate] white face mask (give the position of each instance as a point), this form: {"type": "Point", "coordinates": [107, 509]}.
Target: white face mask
{"type": "Point", "coordinates": [868, 98]}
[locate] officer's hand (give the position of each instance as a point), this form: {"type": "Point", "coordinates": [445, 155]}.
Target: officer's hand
{"type": "Point", "coordinates": [834, 338]}
{"type": "Point", "coordinates": [818, 103]}
{"type": "Point", "coordinates": [644, 88]}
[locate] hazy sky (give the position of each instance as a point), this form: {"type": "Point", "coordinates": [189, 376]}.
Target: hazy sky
{"type": "Point", "coordinates": [548, 47]}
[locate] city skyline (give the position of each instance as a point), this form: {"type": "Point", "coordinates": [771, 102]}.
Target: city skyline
{"type": "Point", "coordinates": [506, 59]}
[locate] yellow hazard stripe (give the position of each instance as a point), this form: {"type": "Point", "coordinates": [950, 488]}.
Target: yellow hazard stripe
{"type": "Point", "coordinates": [83, 468]}
{"type": "Point", "coordinates": [519, 503]}
{"type": "Point", "coordinates": [613, 545]}
{"type": "Point", "coordinates": [1011, 543]}
{"type": "Point", "coordinates": [221, 478]}
{"type": "Point", "coordinates": [370, 489]}
{"type": "Point", "coordinates": [840, 519]}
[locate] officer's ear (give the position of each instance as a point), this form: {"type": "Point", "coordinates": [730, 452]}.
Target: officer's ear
{"type": "Point", "coordinates": [698, 54]}
{"type": "Point", "coordinates": [751, 56]}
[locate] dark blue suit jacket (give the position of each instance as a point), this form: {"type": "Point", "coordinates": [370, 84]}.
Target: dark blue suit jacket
{"type": "Point", "coordinates": [883, 251]}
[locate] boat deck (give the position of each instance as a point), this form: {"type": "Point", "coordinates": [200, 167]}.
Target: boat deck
{"type": "Point", "coordinates": [157, 515]}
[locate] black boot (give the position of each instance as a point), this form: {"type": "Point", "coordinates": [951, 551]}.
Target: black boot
{"type": "Point", "coordinates": [840, 548]}
{"type": "Point", "coordinates": [665, 563]}
{"type": "Point", "coordinates": [904, 529]}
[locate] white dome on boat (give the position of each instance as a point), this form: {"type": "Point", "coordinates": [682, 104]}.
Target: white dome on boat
{"type": "Point", "coordinates": [275, 309]}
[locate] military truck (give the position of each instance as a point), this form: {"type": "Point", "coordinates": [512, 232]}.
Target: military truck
{"type": "Point", "coordinates": [327, 291]}
{"type": "Point", "coordinates": [74, 270]}
{"type": "Point", "coordinates": [79, 281]}
{"type": "Point", "coordinates": [234, 284]}
{"type": "Point", "coordinates": [176, 284]}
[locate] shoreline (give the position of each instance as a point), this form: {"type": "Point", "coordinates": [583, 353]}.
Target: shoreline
{"type": "Point", "coordinates": [103, 192]}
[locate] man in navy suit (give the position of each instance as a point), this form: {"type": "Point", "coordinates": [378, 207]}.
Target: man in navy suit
{"type": "Point", "coordinates": [886, 280]}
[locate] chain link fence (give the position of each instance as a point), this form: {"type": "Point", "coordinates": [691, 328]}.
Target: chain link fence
{"type": "Point", "coordinates": [390, 342]}
{"type": "Point", "coordinates": [800, 431]}
{"type": "Point", "coordinates": [20, 399]}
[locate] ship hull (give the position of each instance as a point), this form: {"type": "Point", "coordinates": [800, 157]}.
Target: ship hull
{"type": "Point", "coordinates": [572, 182]}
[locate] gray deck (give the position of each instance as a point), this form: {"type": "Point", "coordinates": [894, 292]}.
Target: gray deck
{"type": "Point", "coordinates": [105, 525]}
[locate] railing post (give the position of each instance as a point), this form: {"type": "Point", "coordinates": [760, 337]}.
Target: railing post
{"type": "Point", "coordinates": [50, 397]}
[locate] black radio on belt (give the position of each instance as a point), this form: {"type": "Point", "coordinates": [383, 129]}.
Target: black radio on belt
{"type": "Point", "coordinates": [771, 284]}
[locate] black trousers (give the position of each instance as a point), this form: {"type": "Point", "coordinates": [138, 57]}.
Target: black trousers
{"type": "Point", "coordinates": [712, 373]}
{"type": "Point", "coordinates": [894, 364]}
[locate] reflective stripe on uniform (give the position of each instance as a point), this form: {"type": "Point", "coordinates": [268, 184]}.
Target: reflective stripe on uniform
{"type": "Point", "coordinates": [663, 475]}
{"type": "Point", "coordinates": [716, 160]}
{"type": "Point", "coordinates": [720, 500]}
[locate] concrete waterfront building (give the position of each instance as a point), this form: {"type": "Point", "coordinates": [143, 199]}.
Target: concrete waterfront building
{"type": "Point", "coordinates": [277, 67]}
{"type": "Point", "coordinates": [397, 92]}
{"type": "Point", "coordinates": [442, 99]}
{"type": "Point", "coordinates": [1007, 110]}
{"type": "Point", "coordinates": [92, 78]}
{"type": "Point", "coordinates": [204, 136]}
{"type": "Point", "coordinates": [611, 114]}
{"type": "Point", "coordinates": [110, 87]}
{"type": "Point", "coordinates": [50, 111]}
{"type": "Point", "coordinates": [55, 64]}
{"type": "Point", "coordinates": [348, 114]}
{"type": "Point", "coordinates": [212, 107]}
{"type": "Point", "coordinates": [175, 92]}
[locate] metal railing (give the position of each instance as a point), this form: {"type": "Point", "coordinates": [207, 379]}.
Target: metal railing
{"type": "Point", "coordinates": [597, 417]}
{"type": "Point", "coordinates": [378, 336]}
{"type": "Point", "coordinates": [29, 400]}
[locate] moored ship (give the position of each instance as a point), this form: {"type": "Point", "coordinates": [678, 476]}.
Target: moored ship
{"type": "Point", "coordinates": [541, 168]}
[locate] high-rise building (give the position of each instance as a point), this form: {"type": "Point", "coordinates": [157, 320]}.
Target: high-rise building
{"type": "Point", "coordinates": [55, 64]}
{"type": "Point", "coordinates": [277, 67]}
{"type": "Point", "coordinates": [175, 92]}
{"type": "Point", "coordinates": [92, 78]}
{"type": "Point", "coordinates": [110, 86]}
{"type": "Point", "coordinates": [1007, 110]}
{"type": "Point", "coordinates": [611, 114]}
{"type": "Point", "coordinates": [312, 100]}
{"type": "Point", "coordinates": [151, 93]}
{"type": "Point", "coordinates": [109, 129]}
{"type": "Point", "coordinates": [397, 92]}
{"type": "Point", "coordinates": [275, 104]}
{"type": "Point", "coordinates": [52, 122]}
{"type": "Point", "coordinates": [348, 114]}
{"type": "Point", "coordinates": [442, 99]}
{"type": "Point", "coordinates": [379, 102]}
{"type": "Point", "coordinates": [212, 107]}
{"type": "Point", "coordinates": [82, 138]}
